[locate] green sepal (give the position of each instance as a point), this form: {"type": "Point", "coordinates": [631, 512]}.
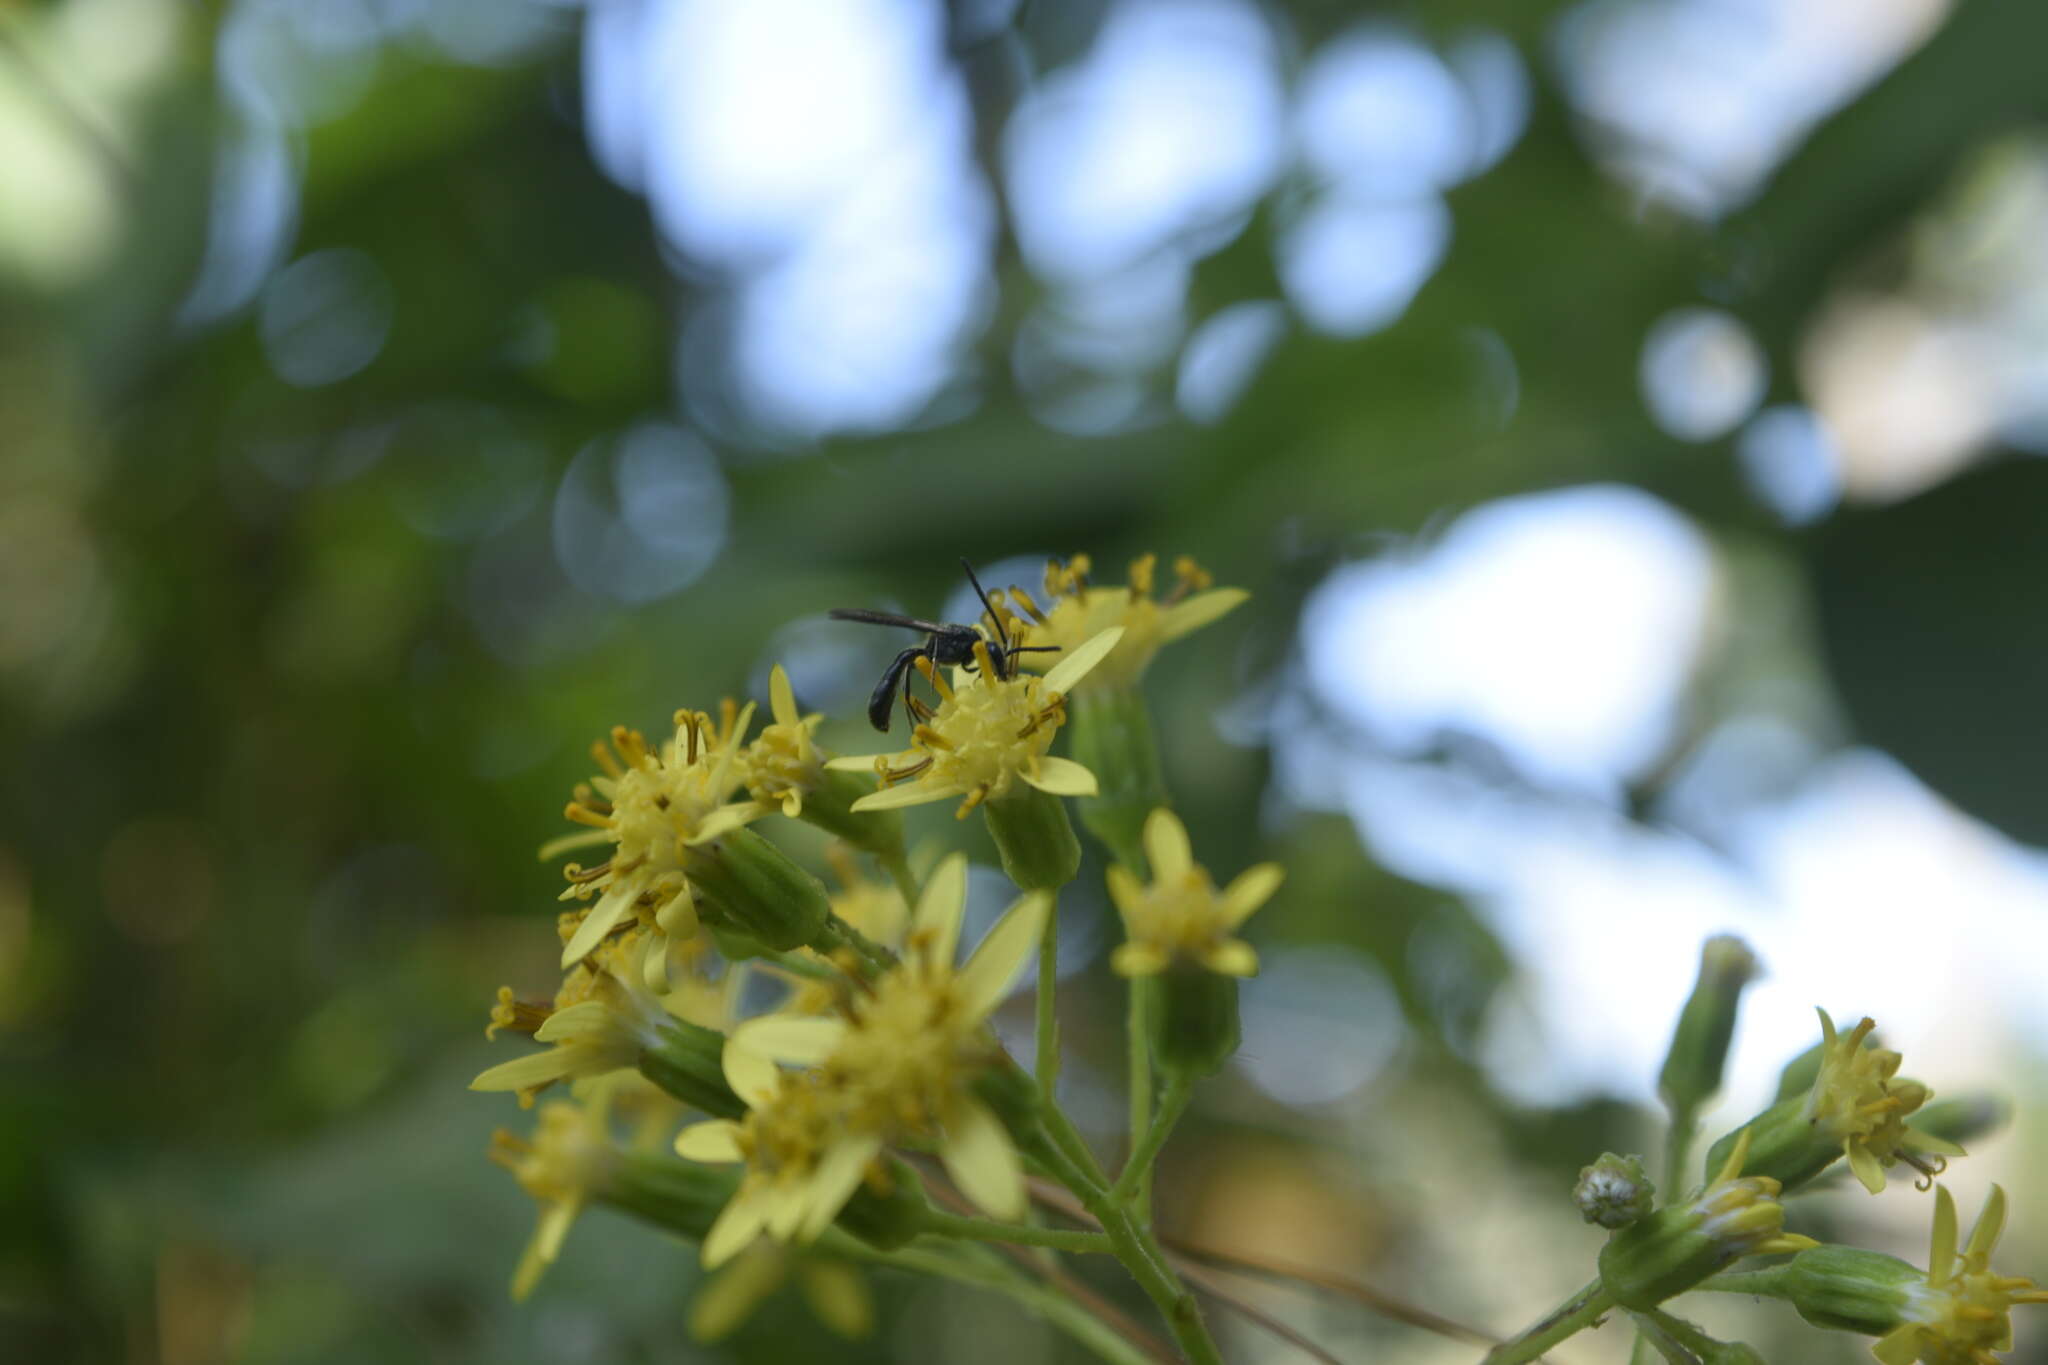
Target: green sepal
{"type": "Point", "coordinates": [1849, 1289]}
{"type": "Point", "coordinates": [829, 806]}
{"type": "Point", "coordinates": [1662, 1255]}
{"type": "Point", "coordinates": [886, 1221]}
{"type": "Point", "coordinates": [1193, 1019]}
{"type": "Point", "coordinates": [750, 885]}
{"type": "Point", "coordinates": [688, 1064]}
{"type": "Point", "coordinates": [1782, 1145]}
{"type": "Point", "coordinates": [684, 1197]}
{"type": "Point", "coordinates": [1035, 838]}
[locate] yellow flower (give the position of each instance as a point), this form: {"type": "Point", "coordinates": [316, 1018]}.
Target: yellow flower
{"type": "Point", "coordinates": [565, 1166]}
{"type": "Point", "coordinates": [656, 808]}
{"type": "Point", "coordinates": [898, 1065]}
{"type": "Point", "coordinates": [1080, 611]}
{"type": "Point", "coordinates": [1960, 1315]}
{"type": "Point", "coordinates": [1856, 1101]}
{"type": "Point", "coordinates": [1181, 914]}
{"type": "Point", "coordinates": [615, 1020]}
{"type": "Point", "coordinates": [783, 764]}
{"type": "Point", "coordinates": [988, 733]}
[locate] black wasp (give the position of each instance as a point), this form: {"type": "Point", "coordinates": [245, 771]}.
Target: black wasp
{"type": "Point", "coordinates": [945, 645]}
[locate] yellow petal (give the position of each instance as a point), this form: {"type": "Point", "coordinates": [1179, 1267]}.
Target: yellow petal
{"type": "Point", "coordinates": [677, 917]}
{"type": "Point", "coordinates": [1900, 1346]}
{"type": "Point", "coordinates": [863, 763]}
{"type": "Point", "coordinates": [753, 1076]}
{"type": "Point", "coordinates": [526, 1073]}
{"type": "Point", "coordinates": [1138, 959]}
{"type": "Point", "coordinates": [738, 1225]}
{"type": "Point", "coordinates": [782, 698]}
{"type": "Point", "coordinates": [1166, 845]}
{"type": "Point", "coordinates": [1928, 1142]}
{"type": "Point", "coordinates": [1083, 657]}
{"type": "Point", "coordinates": [585, 1016]}
{"type": "Point", "coordinates": [789, 1038]}
{"type": "Point", "coordinates": [1124, 888]}
{"type": "Point", "coordinates": [1232, 957]}
{"type": "Point", "coordinates": [544, 1246]}
{"type": "Point", "coordinates": [940, 906]}
{"type": "Point", "coordinates": [1062, 777]}
{"type": "Point", "coordinates": [603, 918]}
{"type": "Point", "coordinates": [1941, 1255]}
{"type": "Point", "coordinates": [833, 1183]}
{"type": "Point", "coordinates": [1249, 890]}
{"type": "Point", "coordinates": [1192, 614]}
{"type": "Point", "coordinates": [1866, 1167]}
{"type": "Point", "coordinates": [907, 794]}
{"type": "Point", "coordinates": [1990, 1224]}
{"type": "Point", "coordinates": [725, 820]}
{"type": "Point", "coordinates": [839, 1296]}
{"type": "Point", "coordinates": [715, 1142]}
{"type": "Point", "coordinates": [981, 1160]}
{"type": "Point", "coordinates": [730, 1297]}
{"type": "Point", "coordinates": [988, 975]}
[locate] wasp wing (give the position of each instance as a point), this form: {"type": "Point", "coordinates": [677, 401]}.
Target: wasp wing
{"type": "Point", "coordinates": [887, 618]}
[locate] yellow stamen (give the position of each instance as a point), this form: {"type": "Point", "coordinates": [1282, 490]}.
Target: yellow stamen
{"type": "Point", "coordinates": [583, 816]}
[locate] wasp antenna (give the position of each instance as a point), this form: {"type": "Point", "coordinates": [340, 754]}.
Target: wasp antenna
{"type": "Point", "coordinates": [1002, 636]}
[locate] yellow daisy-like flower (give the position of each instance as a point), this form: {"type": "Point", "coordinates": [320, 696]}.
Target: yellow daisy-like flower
{"type": "Point", "coordinates": [1960, 1314]}
{"type": "Point", "coordinates": [615, 1019]}
{"type": "Point", "coordinates": [568, 1160]}
{"type": "Point", "coordinates": [1080, 611]}
{"type": "Point", "coordinates": [781, 766]}
{"type": "Point", "coordinates": [1180, 914]}
{"type": "Point", "coordinates": [897, 1065]}
{"type": "Point", "coordinates": [655, 807]}
{"type": "Point", "coordinates": [988, 733]}
{"type": "Point", "coordinates": [1857, 1101]}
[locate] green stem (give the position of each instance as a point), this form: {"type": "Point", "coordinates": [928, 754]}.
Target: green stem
{"type": "Point", "coordinates": [798, 965]}
{"type": "Point", "coordinates": [1677, 1150]}
{"type": "Point", "coordinates": [1071, 1145]}
{"type": "Point", "coordinates": [1048, 1035]}
{"type": "Point", "coordinates": [1579, 1312]}
{"type": "Point", "coordinates": [1016, 1234]}
{"type": "Point", "coordinates": [898, 867]}
{"type": "Point", "coordinates": [1140, 1046]}
{"type": "Point", "coordinates": [1064, 1313]}
{"type": "Point", "coordinates": [1179, 1089]}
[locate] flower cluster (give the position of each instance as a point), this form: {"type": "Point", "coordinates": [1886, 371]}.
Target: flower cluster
{"type": "Point", "coordinates": [808, 1083]}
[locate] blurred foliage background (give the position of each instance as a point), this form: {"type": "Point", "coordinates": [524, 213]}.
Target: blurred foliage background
{"type": "Point", "coordinates": [1626, 413]}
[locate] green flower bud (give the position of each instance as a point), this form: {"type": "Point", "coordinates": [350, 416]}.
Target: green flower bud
{"type": "Point", "coordinates": [1699, 1046]}
{"type": "Point", "coordinates": [1034, 837]}
{"type": "Point", "coordinates": [888, 1218]}
{"type": "Point", "coordinates": [1614, 1191]}
{"type": "Point", "coordinates": [1676, 1247]}
{"type": "Point", "coordinates": [1192, 1013]}
{"type": "Point", "coordinates": [1849, 1289]}
{"type": "Point", "coordinates": [750, 885]}
{"type": "Point", "coordinates": [681, 1196]}
{"type": "Point", "coordinates": [1110, 734]}
{"type": "Point", "coordinates": [687, 1064]}
{"type": "Point", "coordinates": [1783, 1144]}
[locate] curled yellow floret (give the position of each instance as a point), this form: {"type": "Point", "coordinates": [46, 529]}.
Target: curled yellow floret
{"type": "Point", "coordinates": [1960, 1315]}
{"type": "Point", "coordinates": [1078, 610]}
